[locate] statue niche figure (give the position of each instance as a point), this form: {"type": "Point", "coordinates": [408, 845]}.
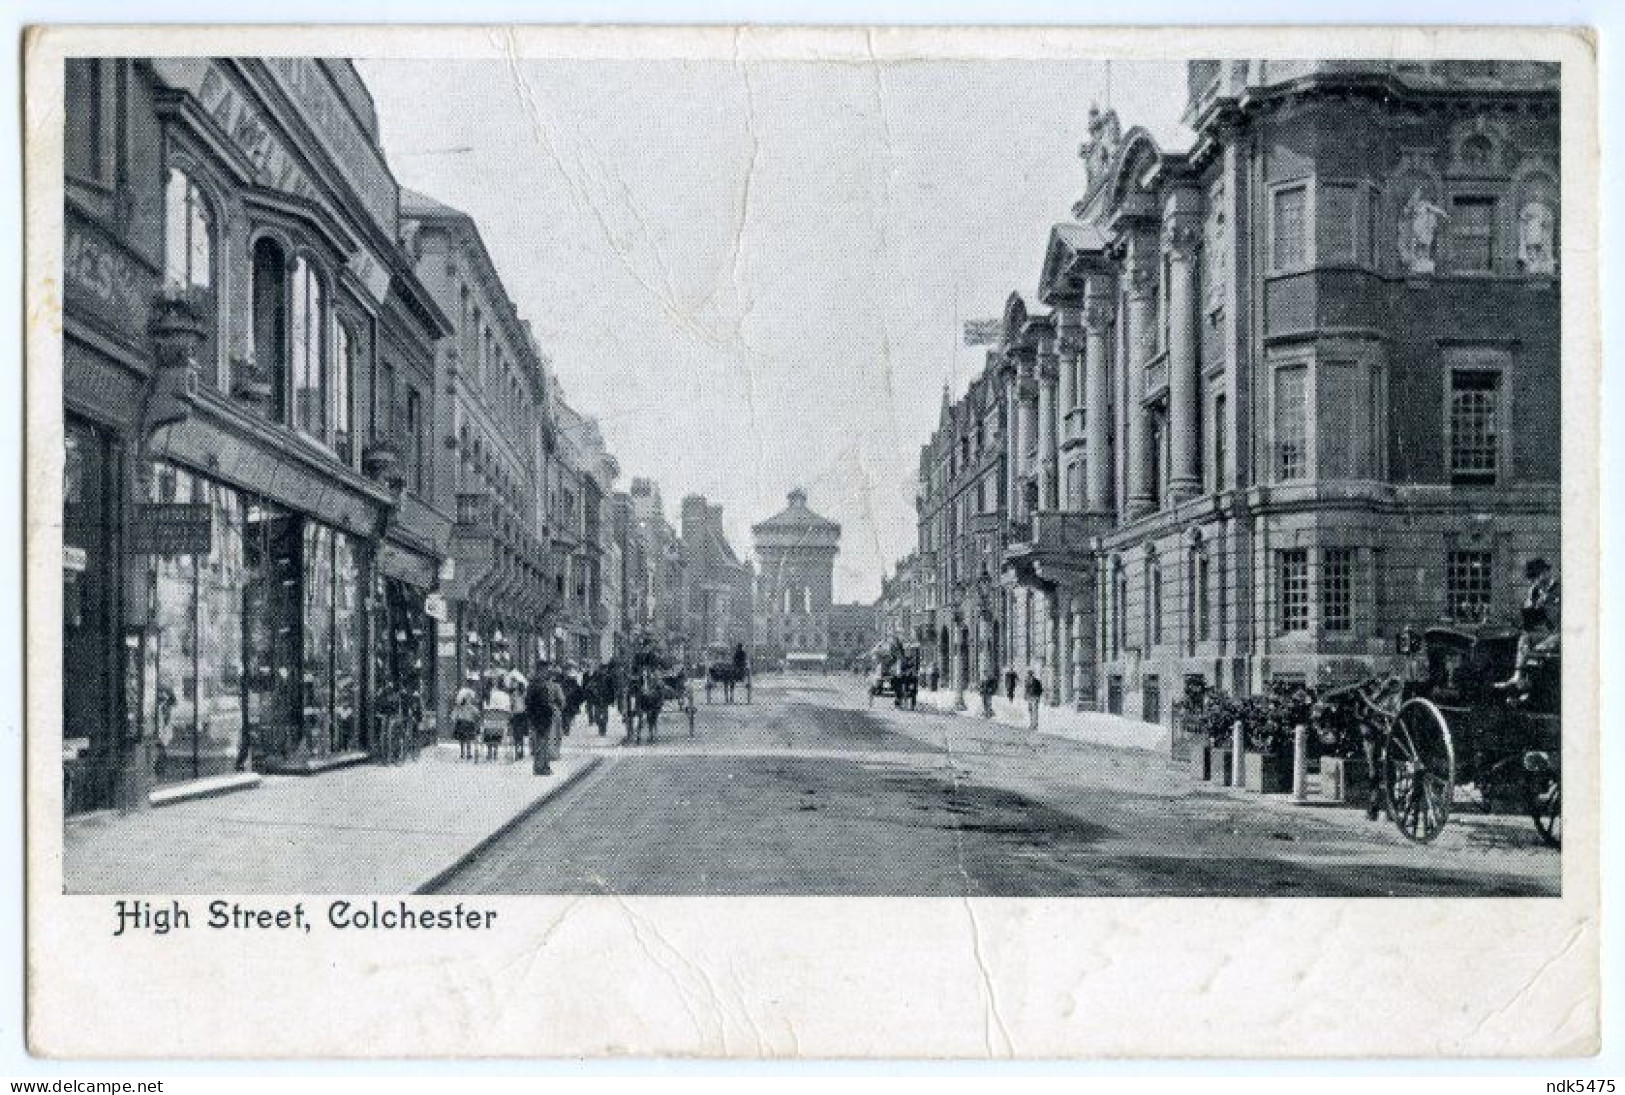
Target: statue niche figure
{"type": "Point", "coordinates": [1537, 225]}
{"type": "Point", "coordinates": [1419, 226]}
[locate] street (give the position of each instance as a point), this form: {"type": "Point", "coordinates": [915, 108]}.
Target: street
{"type": "Point", "coordinates": [808, 790]}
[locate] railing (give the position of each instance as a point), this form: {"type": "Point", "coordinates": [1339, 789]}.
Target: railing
{"type": "Point", "coordinates": [1051, 530]}
{"type": "Point", "coordinates": [475, 510]}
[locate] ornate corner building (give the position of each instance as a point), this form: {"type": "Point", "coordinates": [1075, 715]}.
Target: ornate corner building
{"type": "Point", "coordinates": [1297, 388]}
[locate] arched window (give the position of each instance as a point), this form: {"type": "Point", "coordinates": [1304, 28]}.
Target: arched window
{"type": "Point", "coordinates": [307, 358]}
{"type": "Point", "coordinates": [189, 252]}
{"type": "Point", "coordinates": [188, 234]}
{"type": "Point", "coordinates": [270, 299]}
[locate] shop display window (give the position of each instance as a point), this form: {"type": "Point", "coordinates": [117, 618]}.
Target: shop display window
{"type": "Point", "coordinates": [272, 642]}
{"type": "Point", "coordinates": [89, 748]}
{"type": "Point", "coordinates": [317, 679]}
{"type": "Point", "coordinates": [347, 624]}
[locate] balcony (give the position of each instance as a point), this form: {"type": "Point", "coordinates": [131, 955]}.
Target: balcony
{"type": "Point", "coordinates": [1053, 545]}
{"type": "Point", "coordinates": [476, 511]}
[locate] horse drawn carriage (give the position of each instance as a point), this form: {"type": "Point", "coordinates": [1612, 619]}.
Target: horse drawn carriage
{"type": "Point", "coordinates": [1462, 722]}
{"type": "Point", "coordinates": [727, 670]}
{"type": "Point", "coordinates": [896, 674]}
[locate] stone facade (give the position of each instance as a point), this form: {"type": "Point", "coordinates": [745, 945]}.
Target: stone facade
{"type": "Point", "coordinates": [492, 425]}
{"type": "Point", "coordinates": [964, 493]}
{"type": "Point", "coordinates": [1297, 388]}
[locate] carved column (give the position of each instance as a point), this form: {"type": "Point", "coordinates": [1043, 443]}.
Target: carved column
{"type": "Point", "coordinates": [1048, 371]}
{"type": "Point", "coordinates": [1097, 399]}
{"type": "Point", "coordinates": [1012, 440]}
{"type": "Point", "coordinates": [1141, 263]}
{"type": "Point", "coordinates": [1027, 394]}
{"type": "Point", "coordinates": [1181, 236]}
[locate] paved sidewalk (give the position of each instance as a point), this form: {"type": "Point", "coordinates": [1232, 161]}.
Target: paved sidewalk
{"type": "Point", "coordinates": [368, 830]}
{"type": "Point", "coordinates": [1092, 727]}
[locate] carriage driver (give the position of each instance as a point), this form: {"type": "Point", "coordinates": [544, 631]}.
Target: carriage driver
{"type": "Point", "coordinates": [1541, 623]}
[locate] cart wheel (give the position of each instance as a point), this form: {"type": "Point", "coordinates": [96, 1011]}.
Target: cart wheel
{"type": "Point", "coordinates": [1546, 807]}
{"type": "Point", "coordinates": [1418, 770]}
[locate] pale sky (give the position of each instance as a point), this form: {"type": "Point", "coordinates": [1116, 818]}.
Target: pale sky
{"type": "Point", "coordinates": [753, 274]}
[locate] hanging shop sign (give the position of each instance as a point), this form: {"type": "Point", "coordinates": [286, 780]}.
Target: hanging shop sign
{"type": "Point", "coordinates": [173, 528]}
{"type": "Point", "coordinates": [434, 607]}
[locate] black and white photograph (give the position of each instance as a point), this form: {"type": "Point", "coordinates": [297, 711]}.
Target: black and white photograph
{"type": "Point", "coordinates": [616, 473]}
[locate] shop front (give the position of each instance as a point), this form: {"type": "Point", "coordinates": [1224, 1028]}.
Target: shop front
{"type": "Point", "coordinates": [91, 698]}
{"type": "Point", "coordinates": [252, 658]}
{"type": "Point", "coordinates": [405, 643]}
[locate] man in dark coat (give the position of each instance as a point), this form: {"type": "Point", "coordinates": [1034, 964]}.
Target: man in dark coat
{"type": "Point", "coordinates": [542, 712]}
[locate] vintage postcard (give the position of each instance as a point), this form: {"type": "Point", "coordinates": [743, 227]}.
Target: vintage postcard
{"type": "Point", "coordinates": [812, 542]}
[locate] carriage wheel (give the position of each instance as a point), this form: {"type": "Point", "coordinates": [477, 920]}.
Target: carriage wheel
{"type": "Point", "coordinates": [1419, 770]}
{"type": "Point", "coordinates": [1546, 807]}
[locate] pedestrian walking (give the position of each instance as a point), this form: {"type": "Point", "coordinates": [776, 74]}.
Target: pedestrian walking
{"type": "Point", "coordinates": [990, 688]}
{"type": "Point", "coordinates": [497, 715]}
{"type": "Point", "coordinates": [412, 715]}
{"type": "Point", "coordinates": [555, 699]}
{"type": "Point", "coordinates": [1035, 700]}
{"type": "Point", "coordinates": [601, 694]}
{"type": "Point", "coordinates": [1010, 680]}
{"type": "Point", "coordinates": [465, 716]}
{"type": "Point", "coordinates": [574, 695]}
{"type": "Point", "coordinates": [518, 721]}
{"type": "Point", "coordinates": [541, 714]}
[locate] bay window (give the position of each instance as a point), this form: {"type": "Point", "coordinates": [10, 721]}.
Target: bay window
{"type": "Point", "coordinates": [189, 232]}
{"type": "Point", "coordinates": [1291, 420]}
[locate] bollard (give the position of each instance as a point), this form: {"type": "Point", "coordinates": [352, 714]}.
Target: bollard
{"type": "Point", "coordinates": [1300, 763]}
{"type": "Point", "coordinates": [1238, 752]}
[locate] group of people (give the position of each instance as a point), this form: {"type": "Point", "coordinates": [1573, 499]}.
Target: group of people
{"type": "Point", "coordinates": [535, 713]}
{"type": "Point", "coordinates": [1031, 686]}
{"type": "Point", "coordinates": [531, 713]}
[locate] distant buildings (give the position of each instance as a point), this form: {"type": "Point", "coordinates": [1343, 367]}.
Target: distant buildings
{"type": "Point", "coordinates": [852, 634]}
{"type": "Point", "coordinates": [795, 550]}
{"type": "Point", "coordinates": [654, 543]}
{"type": "Point", "coordinates": [717, 587]}
{"type": "Point", "coordinates": [895, 609]}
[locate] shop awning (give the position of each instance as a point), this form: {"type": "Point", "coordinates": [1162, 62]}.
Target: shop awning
{"type": "Point", "coordinates": [225, 443]}
{"type": "Point", "coordinates": [406, 565]}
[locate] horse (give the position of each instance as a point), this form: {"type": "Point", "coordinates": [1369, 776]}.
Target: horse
{"type": "Point", "coordinates": [728, 675]}
{"type": "Point", "coordinates": [649, 695]}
